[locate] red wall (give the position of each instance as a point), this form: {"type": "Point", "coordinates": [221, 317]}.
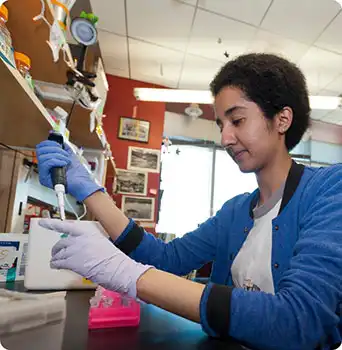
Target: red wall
{"type": "Point", "coordinates": [120, 103]}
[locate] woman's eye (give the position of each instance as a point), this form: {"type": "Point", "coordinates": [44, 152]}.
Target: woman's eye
{"type": "Point", "coordinates": [236, 122]}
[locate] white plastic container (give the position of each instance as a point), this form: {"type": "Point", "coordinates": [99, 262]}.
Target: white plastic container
{"type": "Point", "coordinates": [13, 253]}
{"type": "Point", "coordinates": [39, 275]}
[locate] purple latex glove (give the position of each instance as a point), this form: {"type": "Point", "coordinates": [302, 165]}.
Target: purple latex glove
{"type": "Point", "coordinates": [90, 254]}
{"type": "Point", "coordinates": [50, 154]}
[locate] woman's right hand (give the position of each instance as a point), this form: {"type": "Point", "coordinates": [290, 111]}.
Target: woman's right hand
{"type": "Point", "coordinates": [50, 154]}
{"type": "Point", "coordinates": [89, 253]}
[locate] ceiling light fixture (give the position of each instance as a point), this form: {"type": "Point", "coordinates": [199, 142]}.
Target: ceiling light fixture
{"type": "Point", "coordinates": [173, 95]}
{"type": "Point", "coordinates": [339, 2]}
{"type": "Point", "coordinates": [194, 111]}
{"type": "Point", "coordinates": [205, 97]}
{"type": "Point", "coordinates": [324, 102]}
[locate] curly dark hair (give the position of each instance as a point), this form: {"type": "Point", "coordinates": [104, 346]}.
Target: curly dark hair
{"type": "Point", "coordinates": [273, 83]}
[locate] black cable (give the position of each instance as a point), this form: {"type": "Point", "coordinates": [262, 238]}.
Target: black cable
{"type": "Point", "coordinates": [9, 192]}
{"type": "Point", "coordinates": [15, 150]}
{"type": "Point", "coordinates": [69, 115]}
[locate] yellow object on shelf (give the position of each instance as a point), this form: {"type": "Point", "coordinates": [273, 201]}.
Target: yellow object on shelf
{"type": "Point", "coordinates": [23, 63]}
{"type": "Point", "coordinates": [22, 59]}
{"type": "Point", "coordinates": [4, 12]}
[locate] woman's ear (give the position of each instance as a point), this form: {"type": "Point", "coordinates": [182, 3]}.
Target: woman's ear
{"type": "Point", "coordinates": [284, 120]}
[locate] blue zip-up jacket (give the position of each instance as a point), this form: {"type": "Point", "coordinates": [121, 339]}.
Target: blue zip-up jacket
{"type": "Point", "coordinates": [305, 312]}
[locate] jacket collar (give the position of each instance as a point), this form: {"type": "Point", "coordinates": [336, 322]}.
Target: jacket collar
{"type": "Point", "coordinates": [291, 184]}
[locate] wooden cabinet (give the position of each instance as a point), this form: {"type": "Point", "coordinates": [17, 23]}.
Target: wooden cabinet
{"type": "Point", "coordinates": [24, 119]}
{"type": "Point", "coordinates": [19, 186]}
{"type": "Point", "coordinates": [8, 165]}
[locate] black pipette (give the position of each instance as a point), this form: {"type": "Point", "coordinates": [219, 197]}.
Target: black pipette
{"type": "Point", "coordinates": [58, 176]}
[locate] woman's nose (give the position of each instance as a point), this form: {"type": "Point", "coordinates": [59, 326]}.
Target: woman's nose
{"type": "Point", "coordinates": [228, 137]}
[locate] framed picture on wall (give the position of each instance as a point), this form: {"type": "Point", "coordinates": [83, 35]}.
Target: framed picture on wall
{"type": "Point", "coordinates": [143, 159]}
{"type": "Point", "coordinates": [131, 182]}
{"type": "Point", "coordinates": [134, 129]}
{"type": "Point", "coordinates": [138, 208]}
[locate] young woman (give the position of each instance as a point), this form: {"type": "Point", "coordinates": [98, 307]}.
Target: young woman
{"type": "Point", "coordinates": [276, 281]}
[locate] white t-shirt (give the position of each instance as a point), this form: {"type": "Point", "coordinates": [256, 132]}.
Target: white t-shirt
{"type": "Point", "coordinates": [251, 269]}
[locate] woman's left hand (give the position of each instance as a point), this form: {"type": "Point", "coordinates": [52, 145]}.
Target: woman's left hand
{"type": "Point", "coordinates": [89, 253]}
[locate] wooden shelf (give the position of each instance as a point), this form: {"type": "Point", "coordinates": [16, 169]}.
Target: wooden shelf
{"type": "Point", "coordinates": [30, 38]}
{"type": "Point", "coordinates": [79, 127]}
{"type": "Point", "coordinates": [24, 121]}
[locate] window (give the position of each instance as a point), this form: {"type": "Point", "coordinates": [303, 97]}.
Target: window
{"type": "Point", "coordinates": [229, 181]}
{"type": "Point", "coordinates": [186, 182]}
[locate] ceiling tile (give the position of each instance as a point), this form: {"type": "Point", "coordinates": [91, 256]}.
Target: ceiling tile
{"type": "Point", "coordinates": [114, 53]}
{"type": "Point", "coordinates": [320, 68]}
{"type": "Point", "coordinates": [331, 37]}
{"type": "Point", "coordinates": [268, 42]}
{"type": "Point", "coordinates": [209, 28]}
{"type": "Point", "coordinates": [163, 22]}
{"type": "Point", "coordinates": [336, 85]}
{"type": "Point", "coordinates": [154, 64]}
{"type": "Point", "coordinates": [244, 10]}
{"type": "Point", "coordinates": [313, 90]}
{"type": "Point", "coordinates": [326, 92]}
{"type": "Point", "coordinates": [301, 20]}
{"type": "Point", "coordinates": [190, 2]}
{"type": "Point", "coordinates": [111, 15]}
{"type": "Point", "coordinates": [198, 72]}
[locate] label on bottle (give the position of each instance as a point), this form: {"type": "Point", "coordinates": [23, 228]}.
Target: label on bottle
{"type": "Point", "coordinates": [6, 51]}
{"type": "Point", "coordinates": [9, 255]}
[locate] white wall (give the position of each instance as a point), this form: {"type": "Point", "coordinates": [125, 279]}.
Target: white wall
{"type": "Point", "coordinates": [304, 148]}
{"type": "Point", "coordinates": [201, 129]}
{"type": "Point", "coordinates": [322, 152]}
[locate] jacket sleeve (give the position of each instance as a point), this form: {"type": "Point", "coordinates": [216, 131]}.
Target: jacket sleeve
{"type": "Point", "coordinates": [181, 255]}
{"type": "Point", "coordinates": [302, 314]}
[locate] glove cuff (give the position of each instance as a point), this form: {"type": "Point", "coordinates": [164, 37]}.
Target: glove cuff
{"type": "Point", "coordinates": [86, 191]}
{"type": "Point", "coordinates": [139, 270]}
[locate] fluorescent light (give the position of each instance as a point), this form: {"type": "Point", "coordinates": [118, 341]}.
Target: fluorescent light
{"type": "Point", "coordinates": [324, 102]}
{"type": "Point", "coordinates": [205, 97]}
{"type": "Point", "coordinates": [173, 95]}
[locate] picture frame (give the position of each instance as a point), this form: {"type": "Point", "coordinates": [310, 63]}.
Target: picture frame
{"type": "Point", "coordinates": [138, 208]}
{"type": "Point", "coordinates": [143, 159]}
{"type": "Point", "coordinates": [134, 129]}
{"type": "Point", "coordinates": [131, 182]}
